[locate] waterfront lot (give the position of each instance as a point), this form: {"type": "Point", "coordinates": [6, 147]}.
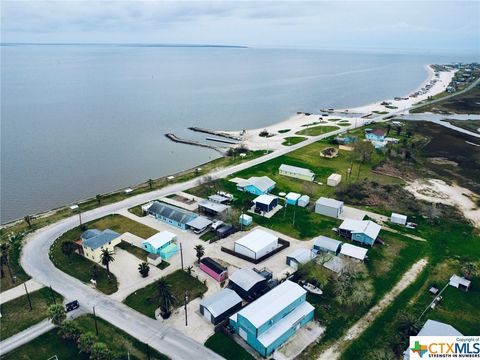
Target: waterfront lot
{"type": "Point", "coordinates": [80, 267]}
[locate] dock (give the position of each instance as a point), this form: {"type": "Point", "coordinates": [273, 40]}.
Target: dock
{"type": "Point", "coordinates": [226, 141]}
{"type": "Point", "coordinates": [216, 133]}
{"type": "Point", "coordinates": [176, 139]}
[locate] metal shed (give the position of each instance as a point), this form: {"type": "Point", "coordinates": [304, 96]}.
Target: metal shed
{"type": "Point", "coordinates": [256, 244]}
{"type": "Point", "coordinates": [220, 306]}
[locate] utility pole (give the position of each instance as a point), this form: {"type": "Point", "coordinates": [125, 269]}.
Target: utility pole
{"type": "Point", "coordinates": [28, 296]}
{"type": "Point", "coordinates": [148, 351]}
{"type": "Point", "coordinates": [186, 312]}
{"type": "Point", "coordinates": [80, 217]}
{"type": "Point", "coordinates": [95, 319]}
{"type": "Point", "coordinates": [181, 254]}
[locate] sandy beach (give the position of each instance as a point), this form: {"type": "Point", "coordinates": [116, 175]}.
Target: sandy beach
{"type": "Point", "coordinates": [349, 118]}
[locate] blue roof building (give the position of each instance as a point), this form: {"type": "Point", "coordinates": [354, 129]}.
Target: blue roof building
{"type": "Point", "coordinates": [170, 214]}
{"type": "Point", "coordinates": [257, 185]}
{"type": "Point", "coordinates": [272, 319]}
{"type": "Point", "coordinates": [100, 239]}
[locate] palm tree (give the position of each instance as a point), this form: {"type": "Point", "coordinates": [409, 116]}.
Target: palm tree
{"type": "Point", "coordinates": [150, 183]}
{"type": "Point", "coordinates": [189, 270]}
{"type": "Point", "coordinates": [99, 198]}
{"type": "Point", "coordinates": [67, 248]}
{"type": "Point", "coordinates": [4, 260]}
{"type": "Point", "coordinates": [166, 298]}
{"type": "Point", "coordinates": [408, 324]}
{"type": "Point", "coordinates": [200, 251]}
{"type": "Point", "coordinates": [28, 220]}
{"type": "Point", "coordinates": [107, 258]}
{"type": "Point", "coordinates": [144, 269]}
{"type": "Point", "coordinates": [57, 314]}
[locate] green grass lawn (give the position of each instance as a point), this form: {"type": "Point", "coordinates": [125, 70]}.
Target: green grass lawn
{"type": "Point", "coordinates": [317, 130]}
{"type": "Point", "coordinates": [79, 266]}
{"type": "Point", "coordinates": [17, 316]}
{"type": "Point", "coordinates": [470, 125]}
{"type": "Point", "coordinates": [163, 265]}
{"type": "Point", "coordinates": [209, 235]}
{"type": "Point", "coordinates": [293, 140]}
{"type": "Point", "coordinates": [51, 343]}
{"type": "Point", "coordinates": [137, 210]}
{"type": "Point", "coordinates": [145, 300]}
{"type": "Point", "coordinates": [227, 347]}
{"type": "Point", "coordinates": [134, 250]}
{"type": "Point", "coordinates": [17, 275]}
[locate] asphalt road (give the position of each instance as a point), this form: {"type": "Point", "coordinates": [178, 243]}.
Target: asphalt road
{"type": "Point", "coordinates": [169, 341]}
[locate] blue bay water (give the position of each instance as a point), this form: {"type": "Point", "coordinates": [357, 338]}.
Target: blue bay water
{"type": "Point", "coordinates": [81, 120]}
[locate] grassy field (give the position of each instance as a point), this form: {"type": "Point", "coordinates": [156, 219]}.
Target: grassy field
{"type": "Point", "coordinates": [17, 316]}
{"type": "Point", "coordinates": [145, 300]}
{"type": "Point", "coordinates": [466, 103]}
{"type": "Point", "coordinates": [470, 125]}
{"type": "Point", "coordinates": [80, 267]}
{"type": "Point", "coordinates": [293, 140]}
{"type": "Point", "coordinates": [51, 343]}
{"type": "Point", "coordinates": [227, 347]}
{"type": "Point", "coordinates": [134, 250]}
{"type": "Point", "coordinates": [317, 130]}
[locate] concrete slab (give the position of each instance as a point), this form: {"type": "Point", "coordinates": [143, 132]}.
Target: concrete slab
{"type": "Point", "coordinates": [352, 213]}
{"type": "Point", "coordinates": [297, 343]}
{"type": "Point", "coordinates": [19, 290]}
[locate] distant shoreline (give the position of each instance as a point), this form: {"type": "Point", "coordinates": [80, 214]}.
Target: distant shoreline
{"type": "Point", "coordinates": [129, 45]}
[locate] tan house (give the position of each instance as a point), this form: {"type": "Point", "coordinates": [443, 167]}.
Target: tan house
{"type": "Point", "coordinates": [92, 242]}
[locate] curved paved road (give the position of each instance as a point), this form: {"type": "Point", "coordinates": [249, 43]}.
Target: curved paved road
{"type": "Point", "coordinates": [169, 341]}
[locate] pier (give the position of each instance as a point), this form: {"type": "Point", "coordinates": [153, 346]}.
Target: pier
{"type": "Point", "coordinates": [176, 139]}
{"type": "Point", "coordinates": [216, 133]}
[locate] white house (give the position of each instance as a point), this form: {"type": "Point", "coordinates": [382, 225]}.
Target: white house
{"type": "Point", "coordinates": [303, 201]}
{"type": "Point", "coordinates": [329, 207]}
{"type": "Point", "coordinates": [296, 172]}
{"type": "Point", "coordinates": [256, 244]}
{"type": "Point", "coordinates": [334, 179]}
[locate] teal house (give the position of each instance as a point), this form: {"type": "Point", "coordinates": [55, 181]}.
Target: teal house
{"type": "Point", "coordinates": [273, 318]}
{"type": "Point", "coordinates": [375, 135]}
{"type": "Point", "coordinates": [256, 185]}
{"type": "Point", "coordinates": [162, 243]}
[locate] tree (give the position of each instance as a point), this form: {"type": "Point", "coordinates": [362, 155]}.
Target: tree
{"type": "Point", "coordinates": [408, 324]}
{"type": "Point", "coordinates": [67, 248]}
{"type": "Point", "coordinates": [144, 269]}
{"type": "Point", "coordinates": [200, 251]}
{"type": "Point", "coordinates": [100, 351]}
{"type": "Point", "coordinates": [94, 272]}
{"type": "Point", "coordinates": [150, 184]}
{"type": "Point", "coordinates": [99, 198]}
{"type": "Point", "coordinates": [86, 342]}
{"type": "Point", "coordinates": [4, 259]}
{"type": "Point", "coordinates": [470, 269]}
{"type": "Point", "coordinates": [28, 220]}
{"type": "Point", "coordinates": [69, 330]}
{"type": "Point", "coordinates": [363, 151]}
{"type": "Point", "coordinates": [107, 258]}
{"type": "Point", "coordinates": [166, 298]}
{"type": "Point", "coordinates": [189, 270]}
{"type": "Point", "coordinates": [57, 314]}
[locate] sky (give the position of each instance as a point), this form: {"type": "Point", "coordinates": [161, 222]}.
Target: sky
{"type": "Point", "coordinates": [410, 25]}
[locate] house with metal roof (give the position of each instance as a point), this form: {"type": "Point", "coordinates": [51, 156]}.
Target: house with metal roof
{"type": "Point", "coordinates": [353, 252]}
{"type": "Point", "coordinates": [93, 242]}
{"type": "Point", "coordinates": [214, 269]}
{"type": "Point", "coordinates": [459, 282]}
{"type": "Point", "coordinates": [300, 256]}
{"type": "Point", "coordinates": [162, 243]}
{"type": "Point", "coordinates": [363, 231]}
{"type": "Point", "coordinates": [256, 185]}
{"type": "Point", "coordinates": [247, 283]}
{"type": "Point", "coordinates": [296, 172]}
{"type": "Point", "coordinates": [213, 208]}
{"type": "Point", "coordinates": [326, 244]}
{"type": "Point", "coordinates": [220, 306]}
{"type": "Point", "coordinates": [292, 198]}
{"type": "Point", "coordinates": [256, 244]}
{"type": "Point", "coordinates": [329, 207]}
{"type": "Point", "coordinates": [219, 199]}
{"type": "Point", "coordinates": [199, 224]}
{"type": "Point", "coordinates": [434, 328]}
{"type": "Point", "coordinates": [303, 201]}
{"type": "Point", "coordinates": [170, 214]}
{"type": "Point", "coordinates": [265, 203]}
{"type": "Point", "coordinates": [272, 319]}
{"type": "Point", "coordinates": [375, 134]}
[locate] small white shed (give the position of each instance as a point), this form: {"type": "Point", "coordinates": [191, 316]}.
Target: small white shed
{"type": "Point", "coordinates": [303, 201]}
{"type": "Point", "coordinates": [398, 219]}
{"type": "Point", "coordinates": [256, 244]}
{"type": "Point", "coordinates": [334, 179]}
{"type": "Point", "coordinates": [329, 207]}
